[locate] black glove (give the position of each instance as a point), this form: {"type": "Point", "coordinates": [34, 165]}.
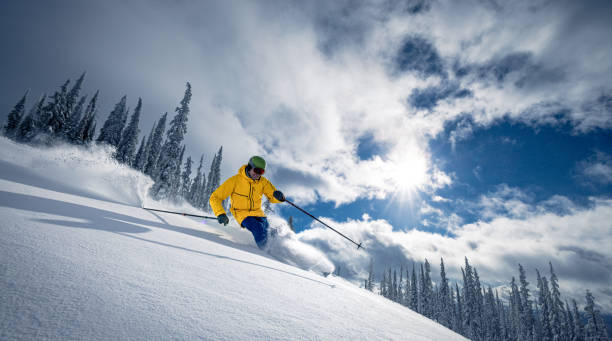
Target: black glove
{"type": "Point", "coordinates": [279, 195]}
{"type": "Point", "coordinates": [223, 219]}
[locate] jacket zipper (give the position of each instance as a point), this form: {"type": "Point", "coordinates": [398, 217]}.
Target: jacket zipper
{"type": "Point", "coordinates": [251, 196]}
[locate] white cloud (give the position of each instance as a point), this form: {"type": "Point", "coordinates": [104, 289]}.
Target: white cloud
{"type": "Point", "coordinates": [597, 169]}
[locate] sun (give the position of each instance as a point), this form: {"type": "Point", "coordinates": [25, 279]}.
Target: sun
{"type": "Point", "coordinates": [407, 175]}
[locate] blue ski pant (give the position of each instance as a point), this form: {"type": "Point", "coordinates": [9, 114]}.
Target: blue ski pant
{"type": "Point", "coordinates": [259, 228]}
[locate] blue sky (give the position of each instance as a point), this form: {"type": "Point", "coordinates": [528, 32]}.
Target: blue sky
{"type": "Point", "coordinates": [424, 128]}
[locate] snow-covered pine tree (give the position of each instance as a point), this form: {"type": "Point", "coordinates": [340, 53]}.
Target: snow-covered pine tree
{"type": "Point", "coordinates": [383, 284]}
{"type": "Point", "coordinates": [83, 133]}
{"type": "Point", "coordinates": [171, 150]}
{"type": "Point", "coordinates": [155, 147]}
{"type": "Point", "coordinates": [478, 300]}
{"type": "Point", "coordinates": [578, 326]}
{"type": "Point", "coordinates": [459, 317]}
{"type": "Point", "coordinates": [470, 303]}
{"type": "Point", "coordinates": [176, 186]}
{"type": "Point", "coordinates": [140, 162]}
{"type": "Point", "coordinates": [73, 121]}
{"type": "Point", "coordinates": [214, 177]}
{"type": "Point", "coordinates": [186, 179]}
{"type": "Point", "coordinates": [195, 192]}
{"type": "Point", "coordinates": [544, 303]}
{"type": "Point", "coordinates": [140, 154]}
{"type": "Point", "coordinates": [394, 288]}
{"type": "Point", "coordinates": [71, 103]}
{"type": "Point", "coordinates": [595, 329]}
{"type": "Point", "coordinates": [72, 108]}
{"type": "Point", "coordinates": [516, 310]}
{"type": "Point", "coordinates": [370, 280]}
{"type": "Point", "coordinates": [414, 291]}
{"type": "Point", "coordinates": [33, 122]}
{"type": "Point", "coordinates": [569, 322]}
{"type": "Point", "coordinates": [15, 116]}
{"type": "Point", "coordinates": [492, 327]}
{"type": "Point", "coordinates": [113, 126]}
{"type": "Point", "coordinates": [129, 137]}
{"type": "Point", "coordinates": [56, 112]}
{"type": "Point", "coordinates": [427, 294]}
{"type": "Point", "coordinates": [503, 318]}
{"type": "Point", "coordinates": [556, 307]}
{"type": "Point", "coordinates": [444, 301]}
{"type": "Point", "coordinates": [400, 290]}
{"type": "Point", "coordinates": [526, 311]}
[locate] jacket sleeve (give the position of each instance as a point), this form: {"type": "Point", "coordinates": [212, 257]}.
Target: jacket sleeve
{"type": "Point", "coordinates": [268, 190]}
{"type": "Point", "coordinates": [220, 194]}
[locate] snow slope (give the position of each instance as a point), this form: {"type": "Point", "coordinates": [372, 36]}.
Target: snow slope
{"type": "Point", "coordinates": [80, 260]}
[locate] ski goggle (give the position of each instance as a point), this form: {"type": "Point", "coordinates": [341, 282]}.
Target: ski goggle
{"type": "Point", "coordinates": [259, 171]}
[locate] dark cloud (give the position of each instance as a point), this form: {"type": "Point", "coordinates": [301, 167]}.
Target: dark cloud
{"type": "Point", "coordinates": [419, 55]}
{"type": "Point", "coordinates": [417, 6]}
{"type": "Point", "coordinates": [285, 177]}
{"type": "Point", "coordinates": [520, 67]}
{"type": "Point", "coordinates": [429, 97]}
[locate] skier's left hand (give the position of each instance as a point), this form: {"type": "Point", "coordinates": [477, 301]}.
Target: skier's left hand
{"type": "Point", "coordinates": [278, 195]}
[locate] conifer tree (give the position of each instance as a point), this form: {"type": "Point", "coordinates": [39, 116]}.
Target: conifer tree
{"type": "Point", "coordinates": [195, 192]}
{"type": "Point", "coordinates": [526, 312]}
{"type": "Point", "coordinates": [113, 126]}
{"type": "Point", "coordinates": [370, 280]}
{"type": "Point", "coordinates": [445, 301]}
{"type": "Point", "coordinates": [74, 120]}
{"type": "Point", "coordinates": [154, 147]}
{"type": "Point", "coordinates": [168, 161]}
{"type": "Point", "coordinates": [578, 326]}
{"type": "Point", "coordinates": [85, 130]}
{"type": "Point", "coordinates": [15, 116]}
{"type": "Point", "coordinates": [414, 291]}
{"type": "Point", "coordinates": [57, 110]}
{"type": "Point", "coordinates": [72, 110]}
{"type": "Point", "coordinates": [73, 95]}
{"type": "Point", "coordinates": [129, 138]}
{"type": "Point", "coordinates": [459, 319]}
{"type": "Point", "coordinates": [176, 186]}
{"type": "Point", "coordinates": [186, 179]}
{"type": "Point", "coordinates": [595, 329]}
{"type": "Point", "coordinates": [141, 158]}
{"type": "Point", "coordinates": [569, 322]}
{"type": "Point", "coordinates": [556, 307]}
{"type": "Point", "coordinates": [214, 177]}
{"type": "Point", "coordinates": [33, 122]}
{"type": "Point", "coordinates": [516, 310]}
{"type": "Point", "coordinates": [140, 155]}
{"type": "Point", "coordinates": [544, 303]}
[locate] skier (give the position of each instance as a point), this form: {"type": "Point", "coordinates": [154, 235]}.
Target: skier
{"type": "Point", "coordinates": [245, 190]}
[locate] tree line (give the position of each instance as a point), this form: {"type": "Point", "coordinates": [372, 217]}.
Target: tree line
{"type": "Point", "coordinates": [478, 313]}
{"type": "Point", "coordinates": [68, 116]}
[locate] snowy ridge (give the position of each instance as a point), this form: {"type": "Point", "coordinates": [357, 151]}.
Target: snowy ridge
{"type": "Point", "coordinates": [82, 261]}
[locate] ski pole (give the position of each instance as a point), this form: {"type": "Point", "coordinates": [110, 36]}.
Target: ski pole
{"type": "Point", "coordinates": [331, 228]}
{"type": "Point", "coordinates": [184, 214]}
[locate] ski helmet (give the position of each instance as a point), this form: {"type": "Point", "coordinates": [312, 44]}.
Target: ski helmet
{"type": "Point", "coordinates": [257, 163]}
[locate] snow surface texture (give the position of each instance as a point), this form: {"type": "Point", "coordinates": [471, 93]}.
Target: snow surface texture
{"type": "Point", "coordinates": [80, 260]}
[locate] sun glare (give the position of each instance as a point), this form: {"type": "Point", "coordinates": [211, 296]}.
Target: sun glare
{"type": "Point", "coordinates": [407, 175]}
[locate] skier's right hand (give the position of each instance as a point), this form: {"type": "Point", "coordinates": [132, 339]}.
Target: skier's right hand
{"type": "Point", "coordinates": [223, 219]}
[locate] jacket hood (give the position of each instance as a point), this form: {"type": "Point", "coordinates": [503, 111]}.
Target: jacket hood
{"type": "Point", "coordinates": [242, 172]}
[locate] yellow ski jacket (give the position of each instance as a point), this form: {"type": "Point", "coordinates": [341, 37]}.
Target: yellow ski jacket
{"type": "Point", "coordinates": [245, 196]}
